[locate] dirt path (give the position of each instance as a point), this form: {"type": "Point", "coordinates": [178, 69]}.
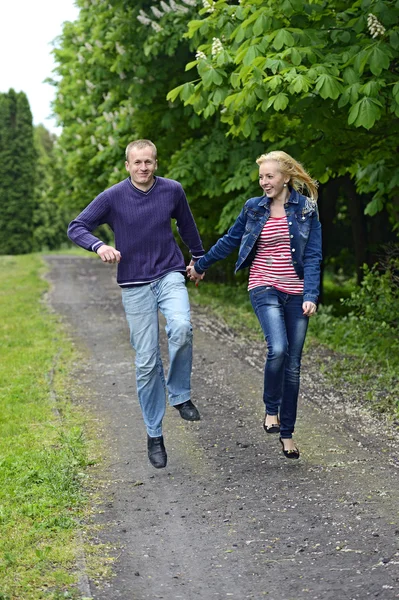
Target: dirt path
{"type": "Point", "coordinates": [230, 517]}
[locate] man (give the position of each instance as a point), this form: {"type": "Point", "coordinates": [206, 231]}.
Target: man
{"type": "Point", "coordinates": [151, 273]}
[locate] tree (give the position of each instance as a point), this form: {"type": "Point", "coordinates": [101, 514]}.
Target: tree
{"type": "Point", "coordinates": [49, 217]}
{"type": "Point", "coordinates": [320, 77]}
{"type": "Point", "coordinates": [117, 65]}
{"type": "Point", "coordinates": [17, 174]}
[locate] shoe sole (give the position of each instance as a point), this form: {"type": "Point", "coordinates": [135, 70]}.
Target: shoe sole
{"type": "Point", "coordinates": [190, 418]}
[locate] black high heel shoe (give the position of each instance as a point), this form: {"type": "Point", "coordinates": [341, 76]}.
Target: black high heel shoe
{"type": "Point", "coordinates": [294, 453]}
{"type": "Point", "coordinates": [273, 428]}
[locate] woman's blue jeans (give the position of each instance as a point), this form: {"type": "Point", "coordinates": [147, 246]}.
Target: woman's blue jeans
{"type": "Point", "coordinates": [141, 304]}
{"type": "Point", "coordinates": [284, 327]}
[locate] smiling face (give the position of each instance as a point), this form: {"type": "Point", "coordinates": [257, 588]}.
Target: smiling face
{"type": "Point", "coordinates": [272, 180]}
{"type": "Point", "coordinates": [141, 165]}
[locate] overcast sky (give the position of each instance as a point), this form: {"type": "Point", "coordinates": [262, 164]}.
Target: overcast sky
{"type": "Point", "coordinates": [27, 29]}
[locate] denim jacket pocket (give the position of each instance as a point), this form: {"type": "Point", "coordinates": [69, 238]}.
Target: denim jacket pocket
{"type": "Point", "coordinates": [304, 221]}
{"type": "Point", "coordinates": [253, 218]}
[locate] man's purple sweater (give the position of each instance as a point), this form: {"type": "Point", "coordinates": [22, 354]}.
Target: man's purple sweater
{"type": "Point", "coordinates": [141, 222]}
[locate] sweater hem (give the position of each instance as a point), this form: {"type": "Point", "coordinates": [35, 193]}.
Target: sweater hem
{"type": "Point", "coordinates": [127, 284]}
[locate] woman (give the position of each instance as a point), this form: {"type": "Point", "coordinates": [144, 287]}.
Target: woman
{"type": "Point", "coordinates": [279, 238]}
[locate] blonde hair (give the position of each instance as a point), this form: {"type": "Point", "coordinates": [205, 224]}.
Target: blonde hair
{"type": "Point", "coordinates": [299, 178]}
{"type": "Point", "coordinates": [140, 144]}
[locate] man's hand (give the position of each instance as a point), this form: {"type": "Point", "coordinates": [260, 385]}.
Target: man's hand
{"type": "Point", "coordinates": [108, 254]}
{"type": "Point", "coordinates": [192, 273]}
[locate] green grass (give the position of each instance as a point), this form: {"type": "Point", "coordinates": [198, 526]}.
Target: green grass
{"type": "Point", "coordinates": [366, 365]}
{"type": "Point", "coordinates": [42, 455]}
{"type": "Point", "coordinates": [336, 287]}
{"type": "Point", "coordinates": [72, 251]}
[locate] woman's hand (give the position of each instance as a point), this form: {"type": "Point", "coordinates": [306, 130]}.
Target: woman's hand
{"type": "Point", "coordinates": [193, 275]}
{"type": "Point", "coordinates": [309, 308]}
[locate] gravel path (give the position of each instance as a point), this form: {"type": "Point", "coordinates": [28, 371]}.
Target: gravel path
{"type": "Point", "coordinates": [229, 517]}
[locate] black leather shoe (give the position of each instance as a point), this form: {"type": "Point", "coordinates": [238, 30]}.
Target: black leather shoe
{"type": "Point", "coordinates": [156, 452]}
{"type": "Point", "coordinates": [273, 427]}
{"type": "Point", "coordinates": [188, 411]}
{"type": "Point", "coordinates": [294, 453]}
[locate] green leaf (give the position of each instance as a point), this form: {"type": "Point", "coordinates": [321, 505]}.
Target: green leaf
{"type": "Point", "coordinates": [394, 39]}
{"type": "Point", "coordinates": [273, 82]}
{"type": "Point", "coordinates": [240, 14]}
{"type": "Point", "coordinates": [345, 37]}
{"type": "Point", "coordinates": [361, 60]}
{"type": "Point", "coordinates": [246, 127]}
{"type": "Point", "coordinates": [365, 113]}
{"type": "Point", "coordinates": [250, 55]}
{"type": "Point", "coordinates": [379, 60]}
{"type": "Point", "coordinates": [276, 65]}
{"type": "Point", "coordinates": [239, 34]}
{"type": "Point", "coordinates": [374, 207]}
{"type": "Point", "coordinates": [395, 92]}
{"type": "Point", "coordinates": [219, 95]}
{"type": "Point", "coordinates": [173, 94]}
{"type": "Point", "coordinates": [209, 111]}
{"type": "Point", "coordinates": [283, 38]}
{"type": "Point", "coordinates": [300, 84]}
{"type": "Point", "coordinates": [350, 76]}
{"type": "Point", "coordinates": [187, 91]}
{"type": "Point", "coordinates": [350, 94]}
{"type": "Point", "coordinates": [207, 77]}
{"type": "Point", "coordinates": [235, 80]}
{"type": "Point", "coordinates": [232, 99]}
{"type": "Point", "coordinates": [279, 101]}
{"type": "Point", "coordinates": [296, 57]}
{"type": "Point", "coordinates": [193, 26]}
{"type": "Point", "coordinates": [191, 64]}
{"type": "Point", "coordinates": [260, 92]}
{"type": "Point", "coordinates": [261, 25]}
{"type": "Point", "coordinates": [371, 88]}
{"type": "Point", "coordinates": [328, 86]}
{"type": "Point", "coordinates": [217, 76]}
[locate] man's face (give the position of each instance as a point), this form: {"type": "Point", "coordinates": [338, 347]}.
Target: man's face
{"type": "Point", "coordinates": [141, 167]}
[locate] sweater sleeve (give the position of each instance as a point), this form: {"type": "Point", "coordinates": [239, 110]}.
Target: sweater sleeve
{"type": "Point", "coordinates": [95, 214]}
{"type": "Point", "coordinates": [186, 225]}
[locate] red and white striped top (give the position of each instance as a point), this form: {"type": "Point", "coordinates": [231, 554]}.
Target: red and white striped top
{"type": "Point", "coordinates": [272, 264]}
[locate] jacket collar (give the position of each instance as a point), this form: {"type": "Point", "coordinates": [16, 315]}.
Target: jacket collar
{"type": "Point", "coordinates": [293, 199]}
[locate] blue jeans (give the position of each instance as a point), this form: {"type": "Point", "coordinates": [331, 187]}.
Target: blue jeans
{"type": "Point", "coordinates": [141, 304]}
{"type": "Point", "coordinates": [284, 327]}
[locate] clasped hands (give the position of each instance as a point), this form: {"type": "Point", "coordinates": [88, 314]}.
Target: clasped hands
{"type": "Point", "coordinates": [192, 273]}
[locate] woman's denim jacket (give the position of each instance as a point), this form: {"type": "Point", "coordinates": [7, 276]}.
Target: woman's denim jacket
{"type": "Point", "coordinates": [305, 239]}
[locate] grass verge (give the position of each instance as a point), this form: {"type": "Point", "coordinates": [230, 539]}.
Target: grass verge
{"type": "Point", "coordinates": [365, 372]}
{"type": "Point", "coordinates": [42, 446]}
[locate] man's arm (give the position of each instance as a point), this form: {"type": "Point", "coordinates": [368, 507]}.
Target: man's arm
{"type": "Point", "coordinates": [80, 229]}
{"type": "Point", "coordinates": [186, 226]}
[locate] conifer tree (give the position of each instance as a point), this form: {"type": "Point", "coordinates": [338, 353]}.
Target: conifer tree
{"type": "Point", "coordinates": [17, 174]}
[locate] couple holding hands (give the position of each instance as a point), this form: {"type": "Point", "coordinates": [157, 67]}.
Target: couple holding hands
{"type": "Point", "coordinates": [278, 236]}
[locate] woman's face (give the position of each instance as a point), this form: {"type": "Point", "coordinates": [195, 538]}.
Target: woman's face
{"type": "Point", "coordinates": [271, 180]}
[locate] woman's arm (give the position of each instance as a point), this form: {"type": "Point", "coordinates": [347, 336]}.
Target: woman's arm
{"type": "Point", "coordinates": [225, 245]}
{"type": "Point", "coordinates": [311, 261]}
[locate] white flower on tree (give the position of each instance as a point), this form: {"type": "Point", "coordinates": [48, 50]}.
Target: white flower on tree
{"type": "Point", "coordinates": [375, 27]}
{"type": "Point", "coordinates": [200, 55]}
{"type": "Point", "coordinates": [217, 46]}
